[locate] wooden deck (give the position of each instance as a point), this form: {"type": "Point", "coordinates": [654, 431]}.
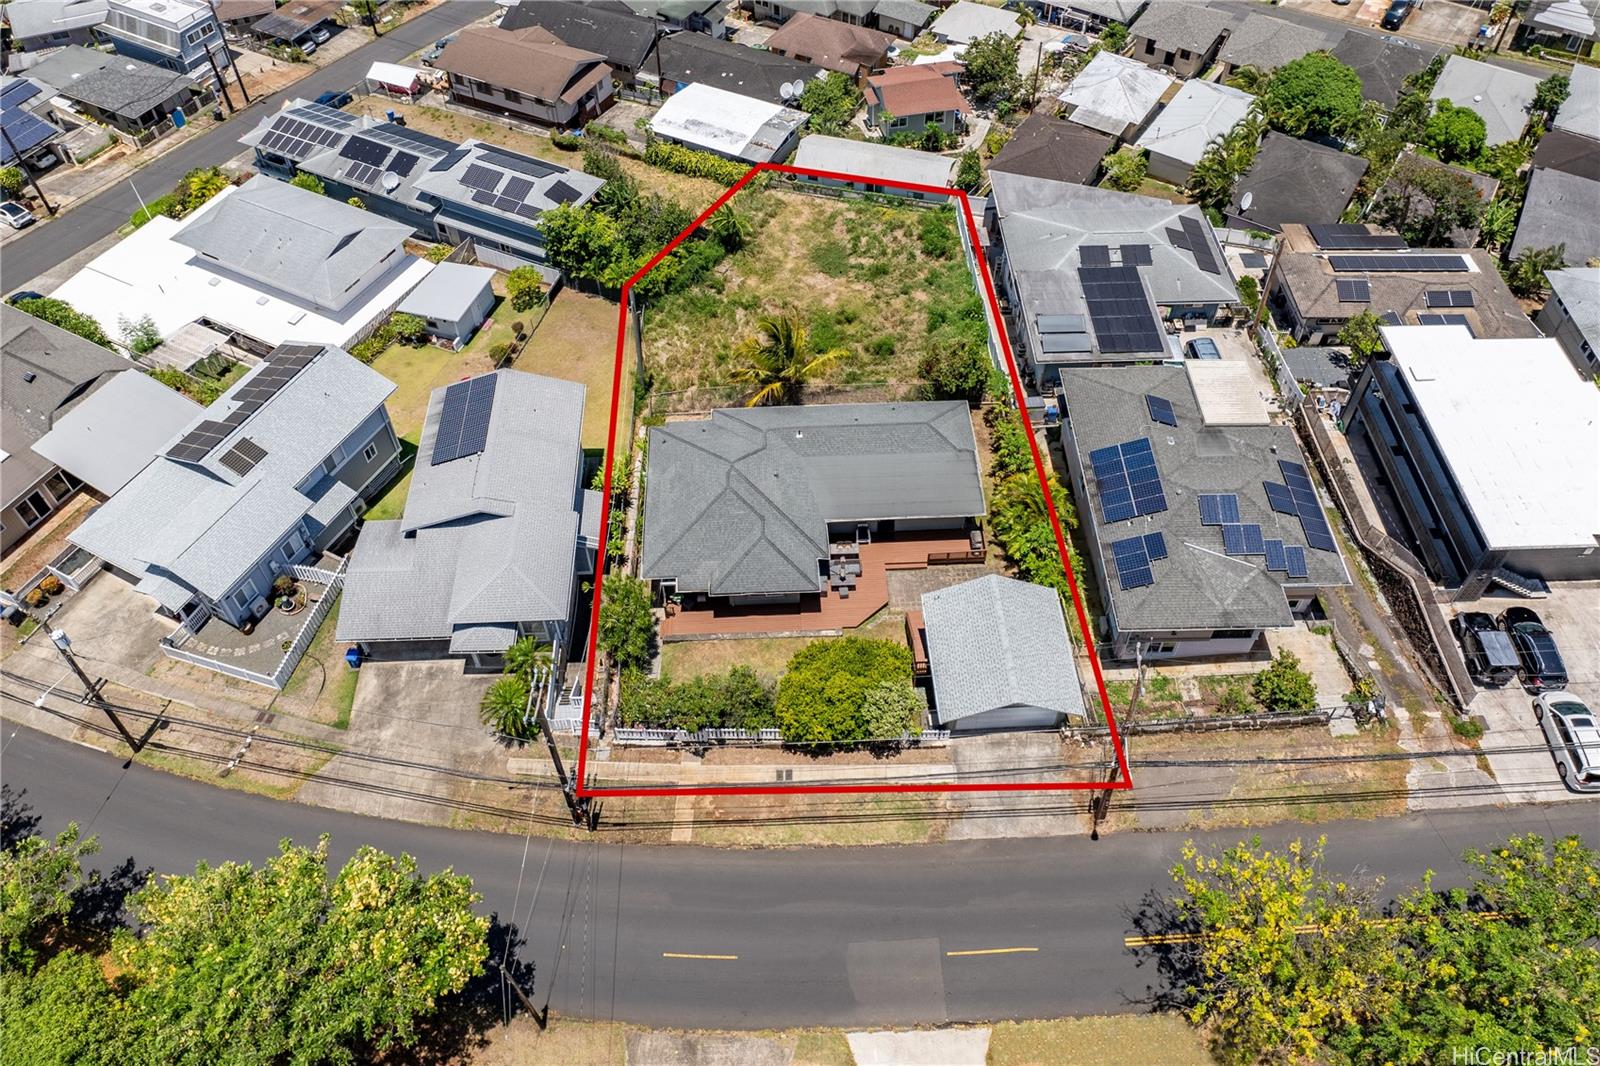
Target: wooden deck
{"type": "Point", "coordinates": [824, 613]}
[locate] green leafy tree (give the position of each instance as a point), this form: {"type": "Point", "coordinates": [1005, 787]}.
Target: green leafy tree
{"type": "Point", "coordinates": [1427, 203]}
{"type": "Point", "coordinates": [1022, 527]}
{"type": "Point", "coordinates": [824, 689]}
{"type": "Point", "coordinates": [969, 172]}
{"type": "Point", "coordinates": [1250, 291]}
{"type": "Point", "coordinates": [308, 182]}
{"type": "Point", "coordinates": [530, 659]}
{"type": "Point", "coordinates": [1503, 161]}
{"type": "Point", "coordinates": [60, 313]}
{"type": "Point", "coordinates": [140, 336]}
{"type": "Point", "coordinates": [1497, 224]}
{"type": "Point", "coordinates": [1283, 686]}
{"type": "Point", "coordinates": [407, 328]}
{"type": "Point", "coordinates": [1456, 133]}
{"type": "Point", "coordinates": [627, 623]}
{"type": "Point", "coordinates": [524, 288]}
{"type": "Point", "coordinates": [198, 186]}
{"type": "Point", "coordinates": [1550, 95]}
{"type": "Point", "coordinates": [992, 75]}
{"type": "Point", "coordinates": [1527, 273]}
{"type": "Point", "coordinates": [245, 965]}
{"type": "Point", "coordinates": [37, 879]}
{"type": "Point", "coordinates": [1315, 94]}
{"type": "Point", "coordinates": [831, 101]}
{"type": "Point", "coordinates": [62, 1014]}
{"type": "Point", "coordinates": [1286, 955]}
{"type": "Point", "coordinates": [1125, 170]}
{"type": "Point", "coordinates": [504, 708]}
{"type": "Point", "coordinates": [11, 182]}
{"type": "Point", "coordinates": [1113, 37]}
{"type": "Point", "coordinates": [891, 709]}
{"type": "Point", "coordinates": [960, 372]}
{"type": "Point", "coordinates": [1360, 334]}
{"type": "Point", "coordinates": [778, 360]}
{"type": "Point", "coordinates": [583, 243]}
{"type": "Point", "coordinates": [1250, 79]}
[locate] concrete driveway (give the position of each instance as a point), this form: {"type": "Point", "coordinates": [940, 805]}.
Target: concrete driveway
{"type": "Point", "coordinates": [1572, 611]}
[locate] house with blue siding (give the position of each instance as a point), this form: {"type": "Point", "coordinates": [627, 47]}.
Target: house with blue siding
{"type": "Point", "coordinates": [176, 34]}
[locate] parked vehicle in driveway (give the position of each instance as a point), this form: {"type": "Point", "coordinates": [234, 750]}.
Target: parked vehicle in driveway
{"type": "Point", "coordinates": [334, 99]}
{"type": "Point", "coordinates": [15, 215]}
{"type": "Point", "coordinates": [321, 35]}
{"type": "Point", "coordinates": [1397, 14]}
{"type": "Point", "coordinates": [1490, 656]}
{"type": "Point", "coordinates": [1202, 348]}
{"type": "Point", "coordinates": [1574, 735]}
{"type": "Point", "coordinates": [1538, 658]}
{"type": "Point", "coordinates": [436, 51]}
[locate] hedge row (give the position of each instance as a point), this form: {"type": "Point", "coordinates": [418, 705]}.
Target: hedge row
{"type": "Point", "coordinates": [681, 160]}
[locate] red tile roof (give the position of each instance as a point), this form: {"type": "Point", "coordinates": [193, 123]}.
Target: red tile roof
{"type": "Point", "coordinates": [918, 90]}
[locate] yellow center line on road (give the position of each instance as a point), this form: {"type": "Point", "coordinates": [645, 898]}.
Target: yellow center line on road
{"type": "Point", "coordinates": [686, 955]}
{"type": "Point", "coordinates": [992, 951]}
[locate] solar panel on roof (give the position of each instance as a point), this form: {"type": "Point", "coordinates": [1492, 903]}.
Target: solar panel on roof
{"type": "Point", "coordinates": [402, 164]}
{"type": "Point", "coordinates": [1155, 545]}
{"type": "Point", "coordinates": [1161, 410]}
{"type": "Point", "coordinates": [1279, 498]}
{"type": "Point", "coordinates": [562, 193]}
{"type": "Point", "coordinates": [1242, 539]}
{"type": "Point", "coordinates": [1119, 310]}
{"type": "Point", "coordinates": [463, 428]}
{"type": "Point", "coordinates": [1252, 260]}
{"type": "Point", "coordinates": [1445, 320]}
{"type": "Point", "coordinates": [1178, 239]}
{"type": "Point", "coordinates": [451, 158]}
{"type": "Point", "coordinates": [533, 168]}
{"type": "Point", "coordinates": [1402, 264]}
{"type": "Point", "coordinates": [1295, 560]}
{"type": "Point", "coordinates": [1352, 236]}
{"type": "Point", "coordinates": [1448, 297]}
{"type": "Point", "coordinates": [361, 173]}
{"type": "Point", "coordinates": [1275, 556]}
{"type": "Point", "coordinates": [1136, 255]}
{"type": "Point", "coordinates": [243, 456]}
{"type": "Point", "coordinates": [364, 151]}
{"type": "Point", "coordinates": [1353, 290]}
{"type": "Point", "coordinates": [1218, 508]}
{"type": "Point", "coordinates": [1132, 563]}
{"type": "Point", "coordinates": [484, 197]}
{"type": "Point", "coordinates": [528, 211]}
{"type": "Point", "coordinates": [517, 187]}
{"type": "Point", "coordinates": [1199, 244]}
{"type": "Point", "coordinates": [1128, 481]}
{"type": "Point", "coordinates": [1094, 255]}
{"type": "Point", "coordinates": [481, 178]}
{"type": "Point", "coordinates": [1390, 318]}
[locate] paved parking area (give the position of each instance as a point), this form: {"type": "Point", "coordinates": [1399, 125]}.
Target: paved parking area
{"type": "Point", "coordinates": [1572, 611]}
{"type": "Point", "coordinates": [1439, 21]}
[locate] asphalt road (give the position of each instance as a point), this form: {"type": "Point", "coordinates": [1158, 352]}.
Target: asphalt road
{"type": "Point", "coordinates": [821, 936]}
{"type": "Point", "coordinates": [36, 251]}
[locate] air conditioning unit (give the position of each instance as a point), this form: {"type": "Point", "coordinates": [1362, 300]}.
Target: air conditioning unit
{"type": "Point", "coordinates": [259, 608]}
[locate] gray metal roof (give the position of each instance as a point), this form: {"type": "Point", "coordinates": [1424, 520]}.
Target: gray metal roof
{"type": "Point", "coordinates": [997, 642]}
{"type": "Point", "coordinates": [295, 240]}
{"type": "Point", "coordinates": [1201, 111]}
{"type": "Point", "coordinates": [1580, 111]}
{"type": "Point", "coordinates": [205, 525]}
{"type": "Point", "coordinates": [37, 18]}
{"type": "Point", "coordinates": [486, 540]}
{"type": "Point", "coordinates": [448, 292]}
{"type": "Point", "coordinates": [1197, 586]}
{"type": "Point", "coordinates": [739, 503]}
{"type": "Point", "coordinates": [1500, 95]}
{"type": "Point", "coordinates": [44, 371]}
{"type": "Point", "coordinates": [1579, 291]}
{"type": "Point", "coordinates": [869, 159]}
{"type": "Point", "coordinates": [1559, 209]}
{"type": "Point", "coordinates": [116, 430]}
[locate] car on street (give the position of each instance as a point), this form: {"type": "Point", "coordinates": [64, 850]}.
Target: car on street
{"type": "Point", "coordinates": [1538, 658]}
{"type": "Point", "coordinates": [1202, 348]}
{"type": "Point", "coordinates": [334, 99]}
{"type": "Point", "coordinates": [23, 294]}
{"type": "Point", "coordinates": [437, 50]}
{"type": "Point", "coordinates": [15, 215]}
{"type": "Point", "coordinates": [1396, 15]}
{"type": "Point", "coordinates": [1490, 656]}
{"type": "Point", "coordinates": [1574, 735]}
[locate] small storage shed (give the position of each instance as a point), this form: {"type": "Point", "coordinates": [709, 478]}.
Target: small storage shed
{"type": "Point", "coordinates": [453, 300]}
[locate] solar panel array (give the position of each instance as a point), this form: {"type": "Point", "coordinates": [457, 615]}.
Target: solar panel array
{"type": "Point", "coordinates": [1136, 255]}
{"type": "Point", "coordinates": [402, 163]}
{"type": "Point", "coordinates": [1448, 297]}
{"type": "Point", "coordinates": [364, 151]}
{"type": "Point", "coordinates": [295, 139]}
{"type": "Point", "coordinates": [1392, 318]}
{"type": "Point", "coordinates": [243, 456]}
{"type": "Point", "coordinates": [1120, 310]}
{"type": "Point", "coordinates": [1240, 538]}
{"type": "Point", "coordinates": [198, 442]}
{"type": "Point", "coordinates": [327, 116]}
{"type": "Point", "coordinates": [1295, 560]}
{"type": "Point", "coordinates": [1445, 320]}
{"type": "Point", "coordinates": [1252, 260]}
{"type": "Point", "coordinates": [484, 179]}
{"type": "Point", "coordinates": [1198, 241]}
{"type": "Point", "coordinates": [1132, 558]}
{"type": "Point", "coordinates": [1094, 255]}
{"type": "Point", "coordinates": [1279, 498]}
{"type": "Point", "coordinates": [1218, 509]}
{"type": "Point", "coordinates": [1350, 236]}
{"type": "Point", "coordinates": [1130, 484]}
{"type": "Point", "coordinates": [1400, 264]}
{"type": "Point", "coordinates": [562, 193]}
{"type": "Point", "coordinates": [464, 421]}
{"type": "Point", "coordinates": [1276, 560]}
{"type": "Point", "coordinates": [281, 366]}
{"type": "Point", "coordinates": [1313, 523]}
{"type": "Point", "coordinates": [1161, 410]}
{"type": "Point", "coordinates": [361, 173]}
{"type": "Point", "coordinates": [533, 168]}
{"type": "Point", "coordinates": [1353, 290]}
{"type": "Point", "coordinates": [1155, 545]}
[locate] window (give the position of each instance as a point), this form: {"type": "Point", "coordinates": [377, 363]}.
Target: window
{"type": "Point", "coordinates": [897, 123]}
{"type": "Point", "coordinates": [62, 485]}
{"type": "Point", "coordinates": [1149, 46]}
{"type": "Point", "coordinates": [33, 509]}
{"type": "Point", "coordinates": [371, 452]}
{"type": "Point", "coordinates": [1160, 649]}
{"type": "Point", "coordinates": [245, 593]}
{"type": "Point", "coordinates": [1232, 634]}
{"type": "Point", "coordinates": [329, 464]}
{"type": "Point", "coordinates": [934, 116]}
{"type": "Point", "coordinates": [1183, 53]}
{"type": "Point", "coordinates": [513, 97]}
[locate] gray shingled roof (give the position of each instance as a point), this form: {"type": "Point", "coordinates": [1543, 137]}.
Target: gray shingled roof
{"type": "Point", "coordinates": [693, 57]}
{"type": "Point", "coordinates": [1267, 43]}
{"type": "Point", "coordinates": [1197, 585]}
{"type": "Point", "coordinates": [1175, 26]}
{"type": "Point", "coordinates": [1559, 209]}
{"type": "Point", "coordinates": [625, 40]}
{"type": "Point", "coordinates": [738, 503]}
{"type": "Point", "coordinates": [486, 540]}
{"type": "Point", "coordinates": [295, 240]}
{"type": "Point", "coordinates": [997, 642]}
{"type": "Point", "coordinates": [116, 84]}
{"type": "Point", "coordinates": [1579, 292]}
{"type": "Point", "coordinates": [1054, 149]}
{"type": "Point", "coordinates": [1383, 62]}
{"type": "Point", "coordinates": [1296, 181]}
{"type": "Point", "coordinates": [205, 525]}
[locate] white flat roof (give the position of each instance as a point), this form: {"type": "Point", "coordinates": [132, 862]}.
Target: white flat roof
{"type": "Point", "coordinates": [870, 160]}
{"type": "Point", "coordinates": [149, 273]}
{"type": "Point", "coordinates": [1516, 425]}
{"type": "Point", "coordinates": [707, 117]}
{"type": "Point", "coordinates": [393, 74]}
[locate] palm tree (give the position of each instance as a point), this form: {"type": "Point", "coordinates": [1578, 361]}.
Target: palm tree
{"type": "Point", "coordinates": [530, 659]}
{"type": "Point", "coordinates": [1526, 276]}
{"type": "Point", "coordinates": [1497, 224]}
{"type": "Point", "coordinates": [778, 361]}
{"type": "Point", "coordinates": [730, 226]}
{"type": "Point", "coordinates": [1251, 79]}
{"type": "Point", "coordinates": [504, 708]}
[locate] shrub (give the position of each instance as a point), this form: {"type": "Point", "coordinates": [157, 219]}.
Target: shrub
{"type": "Point", "coordinates": [600, 162]}
{"type": "Point", "coordinates": [601, 132]}
{"type": "Point", "coordinates": [36, 597]}
{"type": "Point", "coordinates": [524, 288]}
{"type": "Point", "coordinates": [308, 182]}
{"type": "Point", "coordinates": [958, 373]}
{"type": "Point", "coordinates": [201, 392]}
{"type": "Point", "coordinates": [1234, 701]}
{"type": "Point", "coordinates": [60, 313]}
{"type": "Point", "coordinates": [11, 181]}
{"type": "Point", "coordinates": [161, 205]}
{"type": "Point", "coordinates": [1283, 686]}
{"type": "Point", "coordinates": [569, 142]}
{"type": "Point", "coordinates": [437, 253]}
{"type": "Point", "coordinates": [681, 160]}
{"type": "Point", "coordinates": [499, 353]}
{"type": "Point", "coordinates": [1021, 526]}
{"type": "Point", "coordinates": [969, 173]}
{"type": "Point", "coordinates": [627, 622]}
{"type": "Point", "coordinates": [504, 708]}
{"type": "Point", "coordinates": [739, 699]}
{"type": "Point", "coordinates": [1125, 171]}
{"type": "Point", "coordinates": [355, 201]}
{"type": "Point", "coordinates": [1467, 728]}
{"type": "Point", "coordinates": [823, 693]}
{"type": "Point", "coordinates": [406, 328]}
{"type": "Point", "coordinates": [891, 710]}
{"type": "Point", "coordinates": [141, 335]}
{"type": "Point", "coordinates": [831, 101]}
{"type": "Point", "coordinates": [1249, 292]}
{"type": "Point", "coordinates": [938, 233]}
{"type": "Point", "coordinates": [1009, 442]}
{"type": "Point", "coordinates": [52, 585]}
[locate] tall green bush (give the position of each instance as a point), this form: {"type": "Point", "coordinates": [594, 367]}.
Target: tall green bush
{"type": "Point", "coordinates": [681, 160]}
{"type": "Point", "coordinates": [822, 696]}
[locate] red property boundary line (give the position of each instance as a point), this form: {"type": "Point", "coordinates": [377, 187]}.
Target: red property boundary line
{"type": "Point", "coordinates": [1123, 781]}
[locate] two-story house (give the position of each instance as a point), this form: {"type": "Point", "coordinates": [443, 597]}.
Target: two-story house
{"type": "Point", "coordinates": [273, 472]}
{"type": "Point", "coordinates": [528, 73]}
{"type": "Point", "coordinates": [176, 34]}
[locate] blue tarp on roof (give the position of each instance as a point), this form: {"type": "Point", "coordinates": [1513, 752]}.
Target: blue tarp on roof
{"type": "Point", "coordinates": [23, 129]}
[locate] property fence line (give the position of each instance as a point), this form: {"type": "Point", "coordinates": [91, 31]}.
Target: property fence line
{"type": "Point", "coordinates": [637, 737]}
{"type": "Point", "coordinates": [1406, 585]}
{"type": "Point", "coordinates": [1206, 724]}
{"type": "Point", "coordinates": [1289, 391]}
{"type": "Point", "coordinates": [206, 98]}
{"type": "Point", "coordinates": [997, 355]}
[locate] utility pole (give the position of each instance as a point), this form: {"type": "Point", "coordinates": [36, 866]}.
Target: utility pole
{"type": "Point", "coordinates": [91, 689]}
{"type": "Point", "coordinates": [222, 34]}
{"type": "Point", "coordinates": [1266, 285]}
{"type": "Point", "coordinates": [578, 806]}
{"type": "Point", "coordinates": [22, 166]}
{"type": "Point", "coordinates": [221, 84]}
{"type": "Point", "coordinates": [1100, 805]}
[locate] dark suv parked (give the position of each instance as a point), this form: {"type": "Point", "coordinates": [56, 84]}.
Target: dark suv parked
{"type": "Point", "coordinates": [1396, 14]}
{"type": "Point", "coordinates": [1491, 657]}
{"type": "Point", "coordinates": [1538, 658]}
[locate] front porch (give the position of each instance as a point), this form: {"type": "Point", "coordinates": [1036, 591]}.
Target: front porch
{"type": "Point", "coordinates": [858, 589]}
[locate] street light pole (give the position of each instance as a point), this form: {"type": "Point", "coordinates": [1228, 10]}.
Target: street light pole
{"type": "Point", "coordinates": [91, 689]}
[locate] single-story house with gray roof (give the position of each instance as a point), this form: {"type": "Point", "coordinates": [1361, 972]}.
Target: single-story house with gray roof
{"type": "Point", "coordinates": [1559, 210]}
{"type": "Point", "coordinates": [1383, 62]}
{"type": "Point", "coordinates": [1267, 43]}
{"type": "Point", "coordinates": [1293, 180]}
{"type": "Point", "coordinates": [1500, 95]}
{"type": "Point", "coordinates": [492, 541]}
{"type": "Point", "coordinates": [453, 300]}
{"type": "Point", "coordinates": [116, 90]}
{"type": "Point", "coordinates": [1580, 111]}
{"type": "Point", "coordinates": [999, 656]}
{"type": "Point", "coordinates": [269, 475]}
{"type": "Point", "coordinates": [743, 506]}
{"type": "Point", "coordinates": [1186, 596]}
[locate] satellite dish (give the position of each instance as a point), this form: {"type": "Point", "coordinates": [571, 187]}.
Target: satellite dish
{"type": "Point", "coordinates": [1246, 201]}
{"type": "Point", "coordinates": [391, 180]}
{"type": "Point", "coordinates": [786, 91]}
{"type": "Point", "coordinates": [797, 86]}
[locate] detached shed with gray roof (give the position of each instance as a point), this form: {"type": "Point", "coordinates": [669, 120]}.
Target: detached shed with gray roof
{"type": "Point", "coordinates": [1000, 657]}
{"type": "Point", "coordinates": [453, 300]}
{"type": "Point", "coordinates": [744, 504]}
{"type": "Point", "coordinates": [492, 538]}
{"type": "Point", "coordinates": [1190, 593]}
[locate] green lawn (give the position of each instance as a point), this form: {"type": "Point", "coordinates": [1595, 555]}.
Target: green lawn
{"type": "Point", "coordinates": [767, 656]}
{"type": "Point", "coordinates": [575, 341]}
{"type": "Point", "coordinates": [392, 504]}
{"type": "Point", "coordinates": [322, 681]}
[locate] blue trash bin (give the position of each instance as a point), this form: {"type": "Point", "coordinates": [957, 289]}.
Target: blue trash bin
{"type": "Point", "coordinates": [352, 658]}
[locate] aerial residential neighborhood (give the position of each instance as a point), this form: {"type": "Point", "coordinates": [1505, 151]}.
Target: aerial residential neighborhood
{"type": "Point", "coordinates": [972, 531]}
